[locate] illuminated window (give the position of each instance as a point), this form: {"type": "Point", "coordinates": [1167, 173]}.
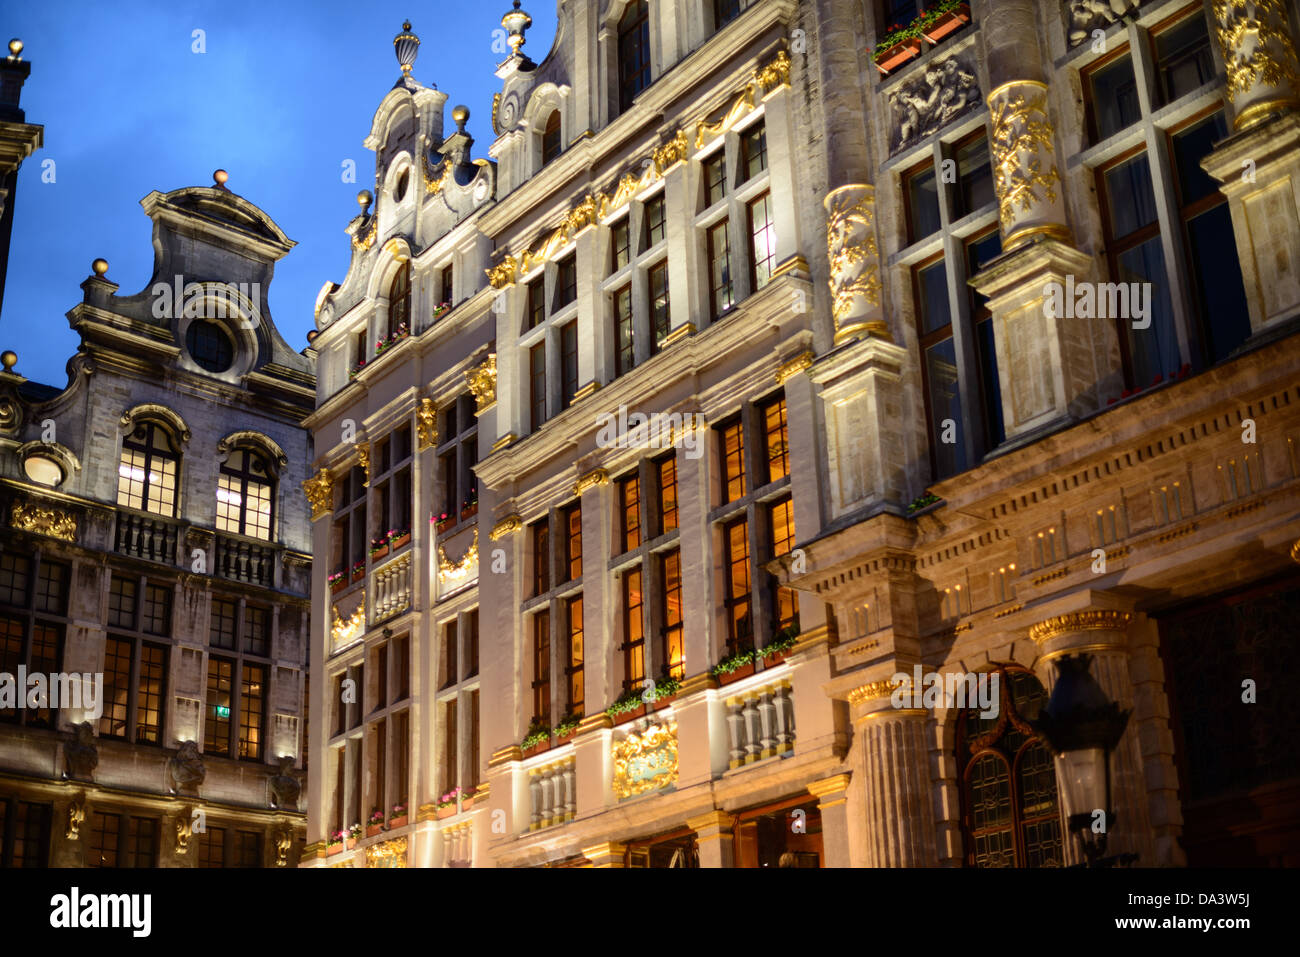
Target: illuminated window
{"type": "Point", "coordinates": [667, 475]}
{"type": "Point", "coordinates": [542, 666]}
{"type": "Point", "coordinates": [571, 523]}
{"type": "Point", "coordinates": [732, 446]}
{"type": "Point", "coordinates": [147, 472]}
{"type": "Point", "coordinates": [762, 235]}
{"type": "Point", "coordinates": [629, 512]}
{"type": "Point", "coordinates": [721, 293]}
{"type": "Point", "coordinates": [736, 598]}
{"type": "Point", "coordinates": [624, 358]}
{"type": "Point", "coordinates": [245, 496]}
{"type": "Point", "coordinates": [785, 600]}
{"type": "Point", "coordinates": [540, 537]}
{"type": "Point", "coordinates": [672, 651]}
{"type": "Point", "coordinates": [777, 436]}
{"type": "Point", "coordinates": [633, 631]}
{"type": "Point", "coordinates": [574, 664]}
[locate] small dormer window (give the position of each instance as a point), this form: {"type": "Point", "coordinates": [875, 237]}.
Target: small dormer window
{"type": "Point", "coordinates": [399, 191]}
{"type": "Point", "coordinates": [633, 52]}
{"type": "Point", "coordinates": [551, 143]}
{"type": "Point", "coordinates": [209, 346]}
{"type": "Point", "coordinates": [399, 301]}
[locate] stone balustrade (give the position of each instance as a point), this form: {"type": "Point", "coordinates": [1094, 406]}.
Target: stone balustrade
{"type": "Point", "coordinates": [760, 723]}
{"type": "Point", "coordinates": [391, 588]}
{"type": "Point", "coordinates": [553, 794]}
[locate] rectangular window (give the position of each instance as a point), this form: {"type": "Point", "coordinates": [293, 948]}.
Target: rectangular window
{"type": "Point", "coordinates": [157, 610]}
{"type": "Point", "coordinates": [141, 842]}
{"type": "Point", "coordinates": [753, 151]}
{"type": "Point", "coordinates": [149, 694]}
{"type": "Point", "coordinates": [979, 253]}
{"type": "Point", "coordinates": [471, 645]}
{"type": "Point", "coordinates": [974, 175]}
{"type": "Point", "coordinates": [536, 312]}
{"type": "Point", "coordinates": [721, 294]}
{"type": "Point", "coordinates": [248, 848]}
{"type": "Point", "coordinates": [731, 443]}
{"type": "Point", "coordinates": [473, 781]}
{"type": "Point", "coordinates": [660, 319]}
{"type": "Point", "coordinates": [449, 735]}
{"type": "Point", "coordinates": [633, 53]}
{"type": "Point", "coordinates": [252, 708]}
{"type": "Point", "coordinates": [380, 662]}
{"type": "Point", "coordinates": [624, 358]}
{"type": "Point", "coordinates": [1183, 59]}
{"type": "Point", "coordinates": [220, 699]}
{"type": "Point", "coordinates": [633, 630]}
{"type": "Point", "coordinates": [715, 178]}
{"type": "Point", "coordinates": [762, 241]}
{"type": "Point", "coordinates": [340, 707]}
{"type": "Point", "coordinates": [212, 846]}
{"type": "Point", "coordinates": [15, 572]}
{"type": "Point", "coordinates": [31, 835]}
{"type": "Point", "coordinates": [939, 369]}
{"type": "Point", "coordinates": [667, 469]}
{"type": "Point", "coordinates": [566, 281]}
{"type": "Point", "coordinates": [221, 624]}
{"type": "Point", "coordinates": [402, 667]}
{"type": "Point", "coordinates": [379, 748]}
{"type": "Point", "coordinates": [620, 245]}
{"type": "Point", "coordinates": [777, 436]}
{"type": "Point", "coordinates": [781, 522]}
{"type": "Point", "coordinates": [121, 602]}
{"type": "Point", "coordinates": [537, 384]}
{"type": "Point", "coordinates": [402, 744]}
{"type": "Point", "coordinates": [656, 222]}
{"type": "Point", "coordinates": [921, 195]}
{"type": "Point", "coordinates": [740, 628]}
{"type": "Point", "coordinates": [1112, 97]}
{"type": "Point", "coordinates": [52, 588]}
{"type": "Point", "coordinates": [105, 831]}
{"type": "Point", "coordinates": [448, 275]}
{"type": "Point", "coordinates": [117, 688]}
{"type": "Point", "coordinates": [571, 523]}
{"type": "Point", "coordinates": [540, 535]}
{"type": "Point", "coordinates": [629, 512]}
{"type": "Point", "coordinates": [450, 637]}
{"type": "Point", "coordinates": [568, 363]}
{"type": "Point", "coordinates": [673, 649]}
{"type": "Point", "coordinates": [542, 666]}
{"type": "Point", "coordinates": [573, 618]}
{"type": "Point", "coordinates": [257, 631]}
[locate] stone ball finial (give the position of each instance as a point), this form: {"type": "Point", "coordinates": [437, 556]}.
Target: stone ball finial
{"type": "Point", "coordinates": [8, 359]}
{"type": "Point", "coordinates": [364, 199]}
{"type": "Point", "coordinates": [311, 336]}
{"type": "Point", "coordinates": [100, 266]}
{"type": "Point", "coordinates": [15, 48]}
{"type": "Point", "coordinates": [220, 176]}
{"type": "Point", "coordinates": [460, 115]}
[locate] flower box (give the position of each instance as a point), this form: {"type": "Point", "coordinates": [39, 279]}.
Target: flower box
{"type": "Point", "coordinates": [898, 54]}
{"type": "Point", "coordinates": [566, 737]}
{"type": "Point", "coordinates": [537, 748]}
{"type": "Point", "coordinates": [339, 585]}
{"type": "Point", "coordinates": [396, 822]}
{"type": "Point", "coordinates": [466, 802]}
{"type": "Point", "coordinates": [469, 511]}
{"type": "Point", "coordinates": [396, 543]}
{"type": "Point", "coordinates": [358, 573]}
{"type": "Point", "coordinates": [378, 553]}
{"type": "Point", "coordinates": [744, 671]}
{"type": "Point", "coordinates": [352, 842]}
{"type": "Point", "coordinates": [373, 829]}
{"type": "Point", "coordinates": [447, 811]}
{"type": "Point", "coordinates": [664, 700]}
{"type": "Point", "coordinates": [772, 659]}
{"type": "Point", "coordinates": [948, 22]}
{"type": "Point", "coordinates": [444, 524]}
{"type": "Point", "coordinates": [332, 849]}
{"type": "Point", "coordinates": [637, 712]}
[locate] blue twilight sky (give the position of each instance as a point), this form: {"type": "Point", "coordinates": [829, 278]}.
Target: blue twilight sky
{"type": "Point", "coordinates": [284, 93]}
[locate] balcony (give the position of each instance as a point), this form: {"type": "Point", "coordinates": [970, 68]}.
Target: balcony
{"type": "Point", "coordinates": [244, 560]}
{"type": "Point", "coordinates": [150, 537]}
{"type": "Point", "coordinates": [552, 793]}
{"type": "Point", "coordinates": [760, 723]}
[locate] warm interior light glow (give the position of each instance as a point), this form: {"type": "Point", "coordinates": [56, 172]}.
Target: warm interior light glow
{"type": "Point", "coordinates": [43, 470]}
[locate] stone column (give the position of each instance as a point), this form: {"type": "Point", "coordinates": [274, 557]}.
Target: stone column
{"type": "Point", "coordinates": [832, 802]}
{"type": "Point", "coordinates": [715, 834]}
{"type": "Point", "coordinates": [896, 764]}
{"type": "Point", "coordinates": [1102, 634]}
{"type": "Point", "coordinates": [1259, 167]}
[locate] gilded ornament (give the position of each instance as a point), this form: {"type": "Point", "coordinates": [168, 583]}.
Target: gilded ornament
{"type": "Point", "coordinates": [387, 853]}
{"type": "Point", "coordinates": [1079, 621]}
{"type": "Point", "coordinates": [426, 424]}
{"type": "Point", "coordinates": [363, 241]}
{"type": "Point", "coordinates": [1257, 52]}
{"type": "Point", "coordinates": [851, 246]}
{"type": "Point", "coordinates": [792, 368]}
{"type": "Point", "coordinates": [1022, 137]}
{"type": "Point", "coordinates": [42, 520]}
{"type": "Point", "coordinates": [590, 480]}
{"type": "Point", "coordinates": [320, 493]}
{"type": "Point", "coordinates": [483, 383]}
{"type": "Point", "coordinates": [450, 571]}
{"type": "Point", "coordinates": [646, 761]}
{"type": "Point", "coordinates": [875, 690]}
{"type": "Point", "coordinates": [76, 818]}
{"type": "Point", "coordinates": [345, 630]}
{"type": "Point", "coordinates": [507, 526]}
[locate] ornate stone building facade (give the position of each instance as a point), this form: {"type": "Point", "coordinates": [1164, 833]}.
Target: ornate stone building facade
{"type": "Point", "coordinates": [784, 348]}
{"type": "Point", "coordinates": [155, 565]}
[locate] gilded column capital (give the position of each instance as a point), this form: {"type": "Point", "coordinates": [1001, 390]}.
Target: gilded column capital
{"type": "Point", "coordinates": [792, 368]}
{"type": "Point", "coordinates": [483, 383]}
{"type": "Point", "coordinates": [320, 493]}
{"type": "Point", "coordinates": [1025, 172]}
{"type": "Point", "coordinates": [1260, 56]}
{"type": "Point", "coordinates": [1077, 621]}
{"type": "Point", "coordinates": [854, 263]}
{"type": "Point", "coordinates": [590, 480]}
{"type": "Point", "coordinates": [877, 690]}
{"type": "Point", "coordinates": [836, 784]}
{"type": "Point", "coordinates": [507, 526]}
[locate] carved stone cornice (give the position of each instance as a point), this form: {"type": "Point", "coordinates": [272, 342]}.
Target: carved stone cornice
{"type": "Point", "coordinates": [1076, 621]}
{"type": "Point", "coordinates": [836, 784]}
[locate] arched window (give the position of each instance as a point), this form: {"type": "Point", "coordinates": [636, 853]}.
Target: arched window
{"type": "Point", "coordinates": [1010, 813]}
{"type": "Point", "coordinates": [245, 495]}
{"type": "Point", "coordinates": [399, 302]}
{"type": "Point", "coordinates": [147, 473]}
{"type": "Point", "coordinates": [551, 143]}
{"type": "Point", "coordinates": [633, 52]}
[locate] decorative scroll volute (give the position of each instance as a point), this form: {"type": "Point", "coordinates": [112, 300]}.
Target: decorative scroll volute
{"type": "Point", "coordinates": [1260, 56]}
{"type": "Point", "coordinates": [1025, 172]}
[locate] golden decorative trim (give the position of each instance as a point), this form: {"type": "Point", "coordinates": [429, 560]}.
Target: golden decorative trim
{"type": "Point", "coordinates": [1254, 38]}
{"type": "Point", "coordinates": [1295, 551]}
{"type": "Point", "coordinates": [875, 328]}
{"type": "Point", "coordinates": [594, 722]}
{"type": "Point", "coordinates": [1021, 124]}
{"type": "Point", "coordinates": [511, 752]}
{"type": "Point", "coordinates": [77, 817]}
{"type": "Point", "coordinates": [1009, 611]}
{"type": "Point", "coordinates": [605, 850]}
{"type": "Point", "coordinates": [836, 784]}
{"type": "Point", "coordinates": [1079, 621]}
{"type": "Point", "coordinates": [696, 683]}
{"type": "Point", "coordinates": [449, 570]}
{"type": "Point", "coordinates": [320, 493]}
{"type": "Point", "coordinates": [715, 820]}
{"type": "Point", "coordinates": [43, 520]}
{"type": "Point", "coordinates": [1052, 231]}
{"type": "Point", "coordinates": [507, 526]}
{"type": "Point", "coordinates": [426, 812]}
{"type": "Point", "coordinates": [1052, 575]}
{"type": "Point", "coordinates": [387, 853]}
{"type": "Point", "coordinates": [1257, 112]}
{"type": "Point", "coordinates": [364, 242]}
{"type": "Point", "coordinates": [790, 265]}
{"type": "Point", "coordinates": [502, 442]}
{"type": "Point", "coordinates": [789, 370]}
{"type": "Point", "coordinates": [646, 761]}
{"type": "Point", "coordinates": [482, 381]}
{"type": "Point", "coordinates": [684, 331]}
{"type": "Point", "coordinates": [874, 690]}
{"type": "Point", "coordinates": [1096, 648]}
{"type": "Point", "coordinates": [670, 154]}
{"type": "Point", "coordinates": [312, 851]}
{"type": "Point", "coordinates": [851, 247]}
{"type": "Point", "coordinates": [344, 630]}
{"type": "Point", "coordinates": [765, 81]}
{"type": "Point", "coordinates": [363, 461]}
{"type": "Point", "coordinates": [496, 111]}
{"type": "Point", "coordinates": [426, 424]}
{"type": "Point", "coordinates": [893, 713]}
{"type": "Point", "coordinates": [591, 388]}
{"type": "Point", "coordinates": [592, 479]}
{"type": "Point", "coordinates": [813, 636]}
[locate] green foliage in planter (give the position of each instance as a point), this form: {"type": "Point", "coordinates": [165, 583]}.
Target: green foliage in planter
{"type": "Point", "coordinates": [537, 733]}
{"type": "Point", "coordinates": [783, 640]}
{"type": "Point", "coordinates": [733, 662]}
{"type": "Point", "coordinates": [915, 30]}
{"type": "Point", "coordinates": [568, 724]}
{"type": "Point", "coordinates": [667, 686]}
{"type": "Point", "coordinates": [628, 701]}
{"type": "Point", "coordinates": [924, 501]}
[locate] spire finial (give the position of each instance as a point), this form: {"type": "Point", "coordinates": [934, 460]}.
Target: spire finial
{"type": "Point", "coordinates": [516, 22]}
{"type": "Point", "coordinates": [407, 47]}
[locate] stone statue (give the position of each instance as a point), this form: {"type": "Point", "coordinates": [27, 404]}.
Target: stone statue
{"type": "Point", "coordinates": [185, 770]}
{"type": "Point", "coordinates": [80, 754]}
{"type": "Point", "coordinates": [1084, 16]}
{"type": "Point", "coordinates": [285, 786]}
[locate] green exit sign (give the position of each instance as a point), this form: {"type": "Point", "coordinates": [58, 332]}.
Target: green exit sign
{"type": "Point", "coordinates": [223, 711]}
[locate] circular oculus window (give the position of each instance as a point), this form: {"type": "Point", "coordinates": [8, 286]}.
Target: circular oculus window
{"type": "Point", "coordinates": [209, 346]}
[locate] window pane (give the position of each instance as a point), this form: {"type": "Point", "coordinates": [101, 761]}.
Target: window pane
{"type": "Point", "coordinates": [633, 630]}
{"type": "Point", "coordinates": [629, 506]}
{"type": "Point", "coordinates": [740, 629]}
{"type": "Point", "coordinates": [149, 696]}
{"type": "Point", "coordinates": [117, 687]}
{"type": "Point", "coordinates": [568, 363]}
{"type": "Point", "coordinates": [659, 315]}
{"type": "Point", "coordinates": [762, 232]}
{"type": "Point", "coordinates": [633, 52]}
{"type": "Point", "coordinates": [975, 176]}
{"type": "Point", "coordinates": [221, 632]}
{"type": "Point", "coordinates": [52, 588]}
{"type": "Point", "coordinates": [15, 572]}
{"type": "Point", "coordinates": [619, 244]}
{"type": "Point", "coordinates": [935, 312]}
{"type": "Point", "coordinates": [216, 731]}
{"type": "Point", "coordinates": [721, 298]}
{"type": "Point", "coordinates": [1221, 293]}
{"type": "Point", "coordinates": [257, 631]}
{"type": "Point", "coordinates": [923, 203]}
{"type": "Point", "coordinates": [667, 494]}
{"type": "Point", "coordinates": [673, 651]}
{"type": "Point", "coordinates": [1153, 351]}
{"type": "Point", "coordinates": [1183, 57]}
{"type": "Point", "coordinates": [624, 358]}
{"type": "Point", "coordinates": [1114, 97]}
{"type": "Point", "coordinates": [715, 179]}
{"type": "Point", "coordinates": [945, 408]}
{"type": "Point", "coordinates": [1130, 197]}
{"type": "Point", "coordinates": [104, 832]}
{"type": "Point", "coordinates": [655, 224]}
{"type": "Point", "coordinates": [157, 610]}
{"type": "Point", "coordinates": [778, 440]}
{"type": "Point", "coordinates": [732, 445]}
{"type": "Point", "coordinates": [753, 151]}
{"type": "Point", "coordinates": [1190, 146]}
{"type": "Point", "coordinates": [252, 706]}
{"type": "Point", "coordinates": [576, 691]}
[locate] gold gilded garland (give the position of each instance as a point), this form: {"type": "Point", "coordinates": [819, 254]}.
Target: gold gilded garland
{"type": "Point", "coordinates": [448, 569]}
{"type": "Point", "coordinates": [1021, 125]}
{"type": "Point", "coordinates": [53, 522]}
